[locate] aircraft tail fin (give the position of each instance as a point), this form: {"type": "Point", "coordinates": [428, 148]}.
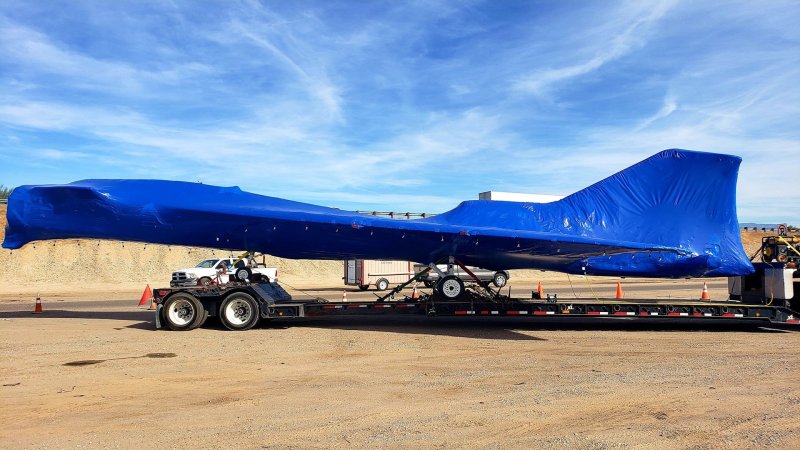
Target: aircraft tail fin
{"type": "Point", "coordinates": [676, 198]}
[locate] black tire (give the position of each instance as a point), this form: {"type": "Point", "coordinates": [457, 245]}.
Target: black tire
{"type": "Point", "coordinates": [244, 274]}
{"type": "Point", "coordinates": [429, 283]}
{"type": "Point", "coordinates": [183, 312]}
{"type": "Point", "coordinates": [363, 287]}
{"type": "Point", "coordinates": [239, 312]}
{"type": "Point", "coordinates": [450, 287]}
{"type": "Point", "coordinates": [205, 281]}
{"type": "Point", "coordinates": [500, 279]}
{"type": "Point", "coordinates": [382, 284]}
{"type": "Point", "coordinates": [203, 319]}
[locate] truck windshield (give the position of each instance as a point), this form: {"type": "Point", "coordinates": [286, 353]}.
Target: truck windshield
{"type": "Point", "coordinates": [207, 264]}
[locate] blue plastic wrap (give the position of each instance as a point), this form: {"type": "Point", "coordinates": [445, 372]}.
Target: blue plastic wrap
{"type": "Point", "coordinates": [671, 215]}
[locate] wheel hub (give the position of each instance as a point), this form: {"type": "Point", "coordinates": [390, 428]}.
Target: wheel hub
{"type": "Point", "coordinates": [450, 287]}
{"type": "Point", "coordinates": [239, 311]}
{"type": "Point", "coordinates": [182, 312]}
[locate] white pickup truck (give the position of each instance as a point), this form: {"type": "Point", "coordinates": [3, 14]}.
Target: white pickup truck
{"type": "Point", "coordinates": [221, 271]}
{"type": "Point", "coordinates": [498, 278]}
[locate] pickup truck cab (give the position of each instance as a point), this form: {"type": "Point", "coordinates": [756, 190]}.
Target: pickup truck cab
{"type": "Point", "coordinates": [221, 271]}
{"type": "Point", "coordinates": [498, 278]}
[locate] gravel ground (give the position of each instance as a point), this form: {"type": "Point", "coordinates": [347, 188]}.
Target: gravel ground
{"type": "Point", "coordinates": [92, 371]}
{"type": "Point", "coordinates": [89, 376]}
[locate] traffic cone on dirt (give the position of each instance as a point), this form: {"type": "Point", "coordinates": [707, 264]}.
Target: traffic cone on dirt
{"type": "Point", "coordinates": [704, 295]}
{"type": "Point", "coordinates": [146, 295]}
{"type": "Point", "coordinates": [619, 289]}
{"type": "Point", "coordinates": [344, 296]}
{"type": "Point", "coordinates": [38, 308]}
{"type": "Point", "coordinates": [414, 293]}
{"type": "Point", "coordinates": [540, 290]}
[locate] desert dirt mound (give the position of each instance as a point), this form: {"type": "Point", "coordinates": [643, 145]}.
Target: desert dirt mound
{"type": "Point", "coordinates": [85, 264]}
{"type": "Point", "coordinates": [72, 264]}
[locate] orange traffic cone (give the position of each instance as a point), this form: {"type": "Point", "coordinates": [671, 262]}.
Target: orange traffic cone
{"type": "Point", "coordinates": [146, 295]}
{"type": "Point", "coordinates": [705, 295]}
{"type": "Point", "coordinates": [38, 308]}
{"type": "Point", "coordinates": [344, 296]}
{"type": "Point", "coordinates": [414, 293]}
{"type": "Point", "coordinates": [619, 289]}
{"type": "Point", "coordinates": [540, 290]}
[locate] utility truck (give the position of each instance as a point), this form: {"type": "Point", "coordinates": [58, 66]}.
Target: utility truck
{"type": "Point", "coordinates": [223, 270]}
{"type": "Point", "coordinates": [497, 277]}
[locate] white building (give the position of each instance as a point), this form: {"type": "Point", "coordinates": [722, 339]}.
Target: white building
{"type": "Point", "coordinates": [518, 197]}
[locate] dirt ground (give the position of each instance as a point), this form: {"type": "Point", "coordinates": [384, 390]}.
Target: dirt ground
{"type": "Point", "coordinates": [96, 374]}
{"type": "Point", "coordinates": [93, 372]}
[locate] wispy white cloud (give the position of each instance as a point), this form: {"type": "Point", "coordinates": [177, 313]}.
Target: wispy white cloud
{"type": "Point", "coordinates": [411, 106]}
{"type": "Point", "coordinates": [668, 107]}
{"type": "Point", "coordinates": [604, 42]}
{"type": "Point", "coordinates": [311, 72]}
{"type": "Point", "coordinates": [59, 155]}
{"type": "Point", "coordinates": [34, 54]}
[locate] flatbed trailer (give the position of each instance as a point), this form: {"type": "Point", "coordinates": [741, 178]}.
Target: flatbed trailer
{"type": "Point", "coordinates": [240, 306]}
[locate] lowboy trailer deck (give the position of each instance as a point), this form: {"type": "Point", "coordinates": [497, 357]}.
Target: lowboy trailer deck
{"type": "Point", "coordinates": [241, 306]}
{"type": "Point", "coordinates": [767, 295]}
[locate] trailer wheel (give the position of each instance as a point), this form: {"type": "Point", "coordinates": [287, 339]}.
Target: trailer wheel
{"type": "Point", "coordinates": [183, 312]}
{"type": "Point", "coordinates": [429, 283]}
{"type": "Point", "coordinates": [244, 274]}
{"type": "Point", "coordinates": [451, 287]}
{"type": "Point", "coordinates": [382, 284]}
{"type": "Point", "coordinates": [238, 312]}
{"type": "Point", "coordinates": [202, 318]}
{"type": "Point", "coordinates": [363, 287]}
{"type": "Point", "coordinates": [500, 279]}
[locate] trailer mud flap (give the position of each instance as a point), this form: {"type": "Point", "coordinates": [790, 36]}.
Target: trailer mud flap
{"type": "Point", "coordinates": [159, 307]}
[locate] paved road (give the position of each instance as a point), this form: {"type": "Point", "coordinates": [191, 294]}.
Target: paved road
{"type": "Point", "coordinates": [334, 294]}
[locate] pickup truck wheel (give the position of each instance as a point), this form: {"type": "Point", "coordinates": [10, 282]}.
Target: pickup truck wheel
{"type": "Point", "coordinates": [183, 312]}
{"type": "Point", "coordinates": [500, 279]}
{"type": "Point", "coordinates": [429, 283]}
{"type": "Point", "coordinates": [382, 284]}
{"type": "Point", "coordinates": [244, 274]}
{"type": "Point", "coordinates": [450, 287]}
{"type": "Point", "coordinates": [205, 281]}
{"type": "Point", "coordinates": [238, 312]}
{"type": "Point", "coordinates": [363, 287]}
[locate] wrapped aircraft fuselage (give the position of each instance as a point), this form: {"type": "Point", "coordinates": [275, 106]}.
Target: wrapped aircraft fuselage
{"type": "Point", "coordinates": [671, 215]}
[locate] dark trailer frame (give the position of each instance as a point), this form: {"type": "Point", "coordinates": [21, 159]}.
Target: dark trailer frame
{"type": "Point", "coordinates": [240, 306]}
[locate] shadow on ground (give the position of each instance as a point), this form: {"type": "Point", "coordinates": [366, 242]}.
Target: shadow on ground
{"type": "Point", "coordinates": [474, 328]}
{"type": "Point", "coordinates": [513, 328]}
{"type": "Point", "coordinates": [143, 319]}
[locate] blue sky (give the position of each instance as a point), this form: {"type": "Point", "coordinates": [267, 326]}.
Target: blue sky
{"type": "Point", "coordinates": [399, 105]}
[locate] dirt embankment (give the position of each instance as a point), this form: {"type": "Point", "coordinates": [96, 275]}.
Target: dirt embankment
{"type": "Point", "coordinates": [84, 264]}
{"type": "Point", "coordinates": [76, 264]}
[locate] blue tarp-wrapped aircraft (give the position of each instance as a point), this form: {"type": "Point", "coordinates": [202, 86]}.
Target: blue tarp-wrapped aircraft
{"type": "Point", "coordinates": [671, 215]}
